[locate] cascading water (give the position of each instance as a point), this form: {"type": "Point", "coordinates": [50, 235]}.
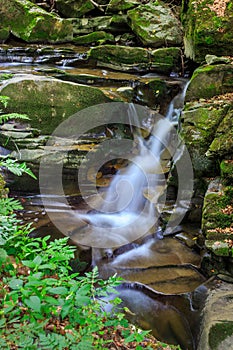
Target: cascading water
{"type": "Point", "coordinates": [125, 207]}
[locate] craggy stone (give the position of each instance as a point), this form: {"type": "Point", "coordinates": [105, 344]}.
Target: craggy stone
{"type": "Point", "coordinates": [210, 80]}
{"type": "Point", "coordinates": [166, 60]}
{"type": "Point", "coordinates": [121, 57]}
{"type": "Point", "coordinates": [155, 25]}
{"type": "Point", "coordinates": [32, 24]}
{"type": "Point", "coordinates": [49, 101]}
{"type": "Point", "coordinates": [207, 29]}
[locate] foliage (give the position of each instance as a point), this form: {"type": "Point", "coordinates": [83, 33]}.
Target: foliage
{"type": "Point", "coordinates": [16, 168]}
{"type": "Point", "coordinates": [43, 304]}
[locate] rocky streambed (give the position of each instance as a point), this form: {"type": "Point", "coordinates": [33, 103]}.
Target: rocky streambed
{"type": "Point", "coordinates": [179, 281]}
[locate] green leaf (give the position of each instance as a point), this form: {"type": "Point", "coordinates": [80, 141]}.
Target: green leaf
{"type": "Point", "coordinates": [34, 303]}
{"type": "Point", "coordinates": [37, 260]}
{"type": "Point", "coordinates": [58, 290]}
{"type": "Point", "coordinates": [29, 263]}
{"type": "Point", "coordinates": [3, 256]}
{"type": "Point", "coordinates": [81, 300]}
{"type": "Point", "coordinates": [16, 283]}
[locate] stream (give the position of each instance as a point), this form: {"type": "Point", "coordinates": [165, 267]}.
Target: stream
{"type": "Point", "coordinates": [133, 222]}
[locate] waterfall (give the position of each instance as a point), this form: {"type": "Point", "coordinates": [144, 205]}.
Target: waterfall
{"type": "Point", "coordinates": [131, 203]}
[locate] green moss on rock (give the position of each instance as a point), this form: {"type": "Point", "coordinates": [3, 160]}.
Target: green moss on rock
{"type": "Point", "coordinates": [166, 60]}
{"type": "Point", "coordinates": [155, 24]}
{"type": "Point", "coordinates": [226, 168]}
{"type": "Point", "coordinates": [218, 333]}
{"type": "Point", "coordinates": [210, 80]}
{"type": "Point", "coordinates": [95, 37]}
{"type": "Point", "coordinates": [32, 24]}
{"type": "Point", "coordinates": [121, 57]}
{"type": "Point", "coordinates": [206, 29]}
{"type": "Point", "coordinates": [49, 101]}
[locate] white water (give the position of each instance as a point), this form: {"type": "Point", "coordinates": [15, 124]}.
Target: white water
{"type": "Point", "coordinates": [126, 214]}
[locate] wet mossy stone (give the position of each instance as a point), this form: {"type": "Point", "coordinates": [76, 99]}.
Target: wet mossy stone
{"type": "Point", "coordinates": [166, 60]}
{"type": "Point", "coordinates": [74, 8]}
{"type": "Point", "coordinates": [207, 29]}
{"type": "Point", "coordinates": [49, 101]}
{"type": "Point", "coordinates": [155, 24]}
{"type": "Point", "coordinates": [33, 24]}
{"type": "Point", "coordinates": [95, 37]}
{"type": "Point", "coordinates": [121, 57]}
{"type": "Point", "coordinates": [210, 80]}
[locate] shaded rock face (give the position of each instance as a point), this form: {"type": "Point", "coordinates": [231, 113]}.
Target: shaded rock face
{"type": "Point", "coordinates": [74, 8]}
{"type": "Point", "coordinates": [32, 24]}
{"type": "Point", "coordinates": [48, 101]}
{"type": "Point", "coordinates": [155, 25]}
{"type": "Point", "coordinates": [207, 29]}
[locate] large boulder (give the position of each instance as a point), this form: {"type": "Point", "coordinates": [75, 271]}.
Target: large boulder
{"type": "Point", "coordinates": [49, 101]}
{"type": "Point", "coordinates": [74, 8]}
{"type": "Point", "coordinates": [210, 80]}
{"type": "Point", "coordinates": [207, 28]}
{"type": "Point", "coordinates": [124, 58]}
{"type": "Point", "coordinates": [155, 25]}
{"type": "Point", "coordinates": [33, 24]}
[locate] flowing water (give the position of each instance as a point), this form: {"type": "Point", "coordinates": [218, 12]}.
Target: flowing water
{"type": "Point", "coordinates": [164, 287]}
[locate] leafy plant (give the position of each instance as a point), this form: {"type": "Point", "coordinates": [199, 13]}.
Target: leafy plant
{"type": "Point", "coordinates": [16, 168]}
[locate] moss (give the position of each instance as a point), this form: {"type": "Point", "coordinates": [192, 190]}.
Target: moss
{"type": "Point", "coordinates": [218, 332]}
{"type": "Point", "coordinates": [166, 59]}
{"type": "Point", "coordinates": [3, 190]}
{"type": "Point", "coordinates": [95, 37]}
{"type": "Point", "coordinates": [120, 55]}
{"type": "Point", "coordinates": [226, 168]}
{"type": "Point", "coordinates": [31, 23]}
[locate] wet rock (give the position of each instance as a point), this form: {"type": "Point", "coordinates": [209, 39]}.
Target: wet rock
{"type": "Point", "coordinates": [32, 24]}
{"type": "Point", "coordinates": [126, 58]}
{"type": "Point", "coordinates": [121, 57]}
{"type": "Point", "coordinates": [217, 323]}
{"type": "Point", "coordinates": [207, 131]}
{"type": "Point", "coordinates": [74, 8]}
{"type": "Point", "coordinates": [155, 25]}
{"type": "Point", "coordinates": [207, 29]}
{"type": "Point", "coordinates": [210, 80]}
{"type": "Point", "coordinates": [48, 101]}
{"type": "Point", "coordinates": [166, 60]}
{"type": "Point", "coordinates": [95, 37]}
